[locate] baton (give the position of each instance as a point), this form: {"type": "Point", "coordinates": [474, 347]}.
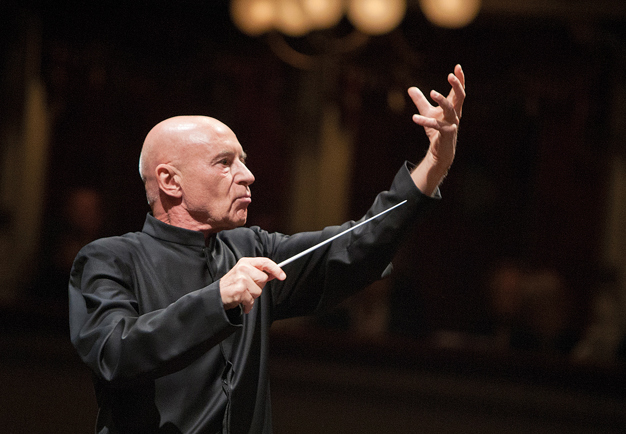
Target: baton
{"type": "Point", "coordinates": [317, 246]}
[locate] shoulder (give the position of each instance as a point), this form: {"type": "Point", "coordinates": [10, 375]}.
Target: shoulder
{"type": "Point", "coordinates": [122, 247]}
{"type": "Point", "coordinates": [253, 240]}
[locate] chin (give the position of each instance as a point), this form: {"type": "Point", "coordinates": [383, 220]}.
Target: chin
{"type": "Point", "coordinates": [242, 217]}
{"type": "Point", "coordinates": [238, 222]}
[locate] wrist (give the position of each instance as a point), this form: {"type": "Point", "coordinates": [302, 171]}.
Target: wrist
{"type": "Point", "coordinates": [429, 174]}
{"type": "Point", "coordinates": [436, 167]}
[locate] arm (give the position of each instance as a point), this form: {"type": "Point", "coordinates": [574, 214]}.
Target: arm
{"type": "Point", "coordinates": [245, 282]}
{"type": "Point", "coordinates": [328, 275]}
{"type": "Point", "coordinates": [357, 260]}
{"type": "Point", "coordinates": [441, 124]}
{"type": "Point", "coordinates": [113, 334]}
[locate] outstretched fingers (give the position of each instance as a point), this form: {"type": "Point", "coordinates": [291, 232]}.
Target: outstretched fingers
{"type": "Point", "coordinates": [426, 122]}
{"type": "Point", "coordinates": [448, 110]}
{"type": "Point", "coordinates": [457, 93]}
{"type": "Point", "coordinates": [450, 115]}
{"type": "Point", "coordinates": [419, 100]}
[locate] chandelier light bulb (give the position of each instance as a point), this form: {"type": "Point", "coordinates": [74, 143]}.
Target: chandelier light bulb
{"type": "Point", "coordinates": [323, 14]}
{"type": "Point", "coordinates": [253, 17]}
{"type": "Point", "coordinates": [292, 19]}
{"type": "Point", "coordinates": [376, 17]}
{"type": "Point", "coordinates": [451, 14]}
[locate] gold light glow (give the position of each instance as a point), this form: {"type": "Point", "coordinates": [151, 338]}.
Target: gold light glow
{"type": "Point", "coordinates": [291, 19]}
{"type": "Point", "coordinates": [253, 17]}
{"type": "Point", "coordinates": [299, 17]}
{"type": "Point", "coordinates": [376, 17]}
{"type": "Point", "coordinates": [323, 14]}
{"type": "Point", "coordinates": [450, 14]}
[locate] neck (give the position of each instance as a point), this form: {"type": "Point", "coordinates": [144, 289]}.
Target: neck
{"type": "Point", "coordinates": [175, 217]}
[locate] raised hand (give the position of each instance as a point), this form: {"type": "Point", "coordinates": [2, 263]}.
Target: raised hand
{"type": "Point", "coordinates": [441, 124]}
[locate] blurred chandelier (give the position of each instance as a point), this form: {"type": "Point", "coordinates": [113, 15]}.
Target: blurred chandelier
{"type": "Point", "coordinates": [372, 17]}
{"type": "Point", "coordinates": [301, 18]}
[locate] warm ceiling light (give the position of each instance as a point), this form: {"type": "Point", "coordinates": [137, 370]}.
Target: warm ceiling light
{"type": "Point", "coordinates": [253, 17]}
{"type": "Point", "coordinates": [376, 17]}
{"type": "Point", "coordinates": [323, 14]}
{"type": "Point", "coordinates": [451, 14]}
{"type": "Point", "coordinates": [299, 17]}
{"type": "Point", "coordinates": [291, 19]}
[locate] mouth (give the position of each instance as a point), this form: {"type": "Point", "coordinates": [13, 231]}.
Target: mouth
{"type": "Point", "coordinates": [246, 198]}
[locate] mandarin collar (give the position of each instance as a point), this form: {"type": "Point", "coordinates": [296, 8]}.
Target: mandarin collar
{"type": "Point", "coordinates": [174, 234]}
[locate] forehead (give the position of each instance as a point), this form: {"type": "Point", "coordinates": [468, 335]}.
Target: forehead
{"type": "Point", "coordinates": [214, 141]}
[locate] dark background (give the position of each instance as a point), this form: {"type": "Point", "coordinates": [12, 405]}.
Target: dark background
{"type": "Point", "coordinates": [528, 188]}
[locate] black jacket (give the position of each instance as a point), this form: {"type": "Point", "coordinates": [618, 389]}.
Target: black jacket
{"type": "Point", "coordinates": [146, 315]}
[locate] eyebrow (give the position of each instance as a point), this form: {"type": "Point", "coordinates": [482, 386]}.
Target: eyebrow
{"type": "Point", "coordinates": [243, 156]}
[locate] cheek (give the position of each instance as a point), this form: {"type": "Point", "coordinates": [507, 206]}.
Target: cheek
{"type": "Point", "coordinates": [210, 193]}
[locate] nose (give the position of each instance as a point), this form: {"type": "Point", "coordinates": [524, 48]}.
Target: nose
{"type": "Point", "coordinates": [243, 175]}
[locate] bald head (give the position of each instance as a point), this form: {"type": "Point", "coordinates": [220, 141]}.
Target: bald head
{"type": "Point", "coordinates": [180, 155]}
{"type": "Point", "coordinates": [171, 140]}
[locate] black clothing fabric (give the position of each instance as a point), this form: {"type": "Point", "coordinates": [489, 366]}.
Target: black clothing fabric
{"type": "Point", "coordinates": [146, 314]}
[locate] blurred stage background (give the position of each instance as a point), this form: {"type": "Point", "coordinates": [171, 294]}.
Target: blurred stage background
{"type": "Point", "coordinates": [507, 309]}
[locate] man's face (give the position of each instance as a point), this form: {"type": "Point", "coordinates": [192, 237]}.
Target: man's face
{"type": "Point", "coordinates": [215, 180]}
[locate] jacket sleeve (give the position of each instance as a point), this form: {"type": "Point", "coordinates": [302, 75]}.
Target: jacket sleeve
{"type": "Point", "coordinates": [328, 275]}
{"type": "Point", "coordinates": [118, 342]}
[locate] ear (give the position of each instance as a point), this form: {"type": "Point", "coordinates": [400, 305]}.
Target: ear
{"type": "Point", "coordinates": [168, 180]}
